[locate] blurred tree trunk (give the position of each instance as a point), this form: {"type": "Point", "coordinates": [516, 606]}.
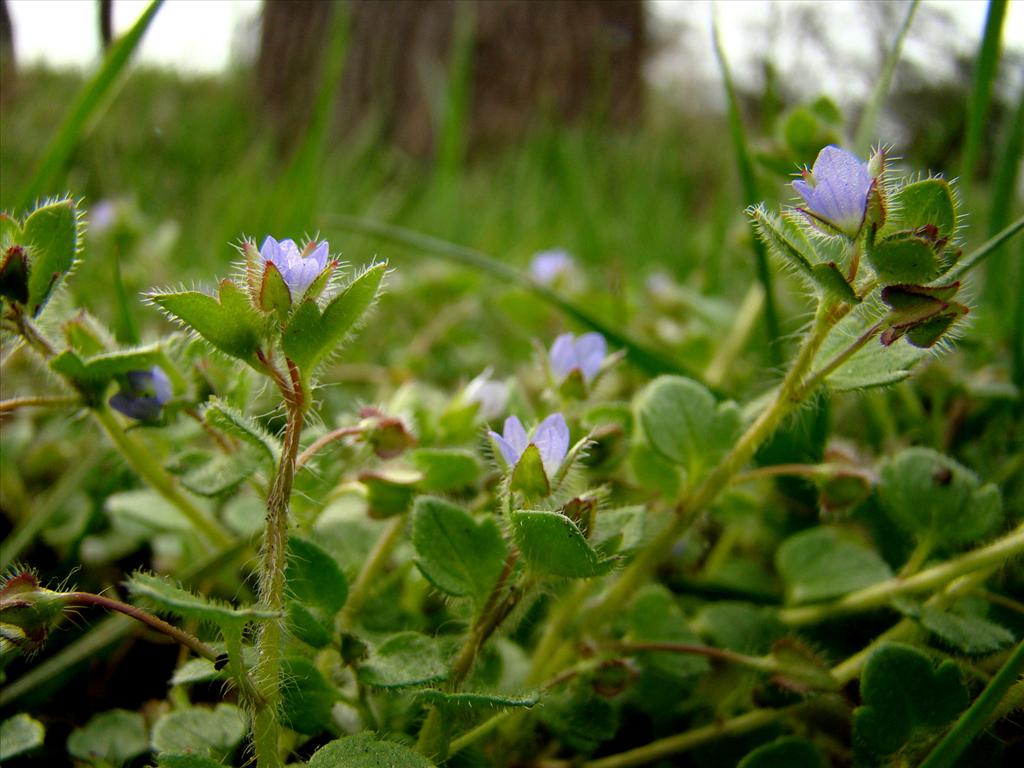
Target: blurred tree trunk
{"type": "Point", "coordinates": [8, 65]}
{"type": "Point", "coordinates": [528, 61]}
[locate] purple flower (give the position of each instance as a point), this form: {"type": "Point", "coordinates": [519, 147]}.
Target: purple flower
{"type": "Point", "coordinates": [584, 354]}
{"type": "Point", "coordinates": [836, 190]}
{"type": "Point", "coordinates": [491, 396]}
{"type": "Point", "coordinates": [548, 266]}
{"type": "Point", "coordinates": [142, 394]}
{"type": "Point", "coordinates": [298, 268]}
{"type": "Point", "coordinates": [551, 437]}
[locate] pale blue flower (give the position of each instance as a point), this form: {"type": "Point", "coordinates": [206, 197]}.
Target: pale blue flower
{"type": "Point", "coordinates": [491, 396]}
{"type": "Point", "coordinates": [298, 268]}
{"type": "Point", "coordinates": [585, 354]}
{"type": "Point", "coordinates": [143, 394]}
{"type": "Point", "coordinates": [548, 266]}
{"type": "Point", "coordinates": [551, 437]}
{"type": "Point", "coordinates": [837, 188]}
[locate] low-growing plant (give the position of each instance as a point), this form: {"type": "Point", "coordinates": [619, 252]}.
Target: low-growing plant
{"type": "Point", "coordinates": [606, 581]}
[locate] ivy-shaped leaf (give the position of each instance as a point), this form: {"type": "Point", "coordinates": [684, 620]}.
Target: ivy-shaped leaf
{"type": "Point", "coordinates": [307, 696]}
{"type": "Point", "coordinates": [551, 544]}
{"type": "Point", "coordinates": [819, 564]}
{"type": "Point", "coordinates": [405, 659]}
{"type": "Point", "coordinates": [114, 737]}
{"type": "Point", "coordinates": [364, 750]}
{"type": "Point", "coordinates": [19, 734]}
{"type": "Point", "coordinates": [208, 732]}
{"type": "Point", "coordinates": [317, 590]}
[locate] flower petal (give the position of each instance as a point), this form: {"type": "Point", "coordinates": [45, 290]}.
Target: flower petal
{"type": "Point", "coordinates": [590, 352]}
{"type": "Point", "coordinates": [563, 356]}
{"type": "Point", "coordinates": [515, 435]}
{"type": "Point", "coordinates": [508, 453]}
{"type": "Point", "coordinates": [552, 440]}
{"type": "Point", "coordinates": [320, 255]}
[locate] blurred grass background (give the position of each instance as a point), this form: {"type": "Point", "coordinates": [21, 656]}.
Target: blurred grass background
{"type": "Point", "coordinates": [193, 163]}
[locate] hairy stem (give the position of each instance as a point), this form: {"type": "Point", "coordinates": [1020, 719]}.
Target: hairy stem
{"type": "Point", "coordinates": [39, 401]}
{"type": "Point", "coordinates": [272, 584]}
{"type": "Point", "coordinates": [877, 595]}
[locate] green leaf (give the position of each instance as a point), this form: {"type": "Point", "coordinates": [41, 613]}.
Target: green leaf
{"type": "Point", "coordinates": [788, 751]}
{"type": "Point", "coordinates": [403, 660]}
{"type": "Point", "coordinates": [307, 696]}
{"type": "Point", "coordinates": [620, 529]}
{"type": "Point", "coordinates": [817, 565]}
{"type": "Point", "coordinates": [52, 231]}
{"type": "Point", "coordinates": [551, 544]}
{"type": "Point", "coordinates": [785, 238]}
{"type": "Point", "coordinates": [311, 336]}
{"type": "Point", "coordinates": [476, 700]}
{"type": "Point", "coordinates": [229, 323]}
{"type": "Point", "coordinates": [682, 421]}
{"type": "Point", "coordinates": [114, 737]}
{"type": "Point", "coordinates": [390, 491]}
{"type": "Point", "coordinates": [365, 751]}
{"type": "Point", "coordinates": [179, 602]}
{"type": "Point", "coordinates": [973, 635]}
{"type": "Point", "coordinates": [655, 617]}
{"type": "Point", "coordinates": [529, 476]}
{"type": "Point", "coordinates": [92, 375]}
{"type": "Point", "coordinates": [222, 416]}
{"type": "Point", "coordinates": [316, 589]}
{"type": "Point", "coordinates": [874, 365]}
{"type": "Point", "coordinates": [445, 470]}
{"type": "Point", "coordinates": [906, 699]}
{"type": "Point", "coordinates": [148, 510]}
{"type": "Point", "coordinates": [458, 554]}
{"type": "Point", "coordinates": [274, 295]}
{"type": "Point", "coordinates": [220, 473]}
{"type": "Point", "coordinates": [184, 760]}
{"type": "Point", "coordinates": [740, 627]}
{"type": "Point", "coordinates": [833, 283]}
{"type": "Point", "coordinates": [208, 732]}
{"type": "Point", "coordinates": [928, 202]}
{"type": "Point", "coordinates": [932, 496]}
{"type": "Point", "coordinates": [19, 734]}
{"type": "Point", "coordinates": [904, 259]}
{"type": "Point", "coordinates": [580, 718]}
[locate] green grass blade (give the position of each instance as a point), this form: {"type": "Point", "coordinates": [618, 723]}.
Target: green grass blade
{"type": "Point", "coordinates": [90, 102]}
{"type": "Point", "coordinates": [648, 360]}
{"type": "Point", "coordinates": [984, 251]}
{"type": "Point", "coordinates": [751, 196]}
{"type": "Point", "coordinates": [981, 93]}
{"type": "Point", "coordinates": [869, 120]}
{"type": "Point", "coordinates": [974, 719]}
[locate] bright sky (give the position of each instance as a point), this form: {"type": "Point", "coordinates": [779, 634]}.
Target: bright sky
{"type": "Point", "coordinates": [201, 35]}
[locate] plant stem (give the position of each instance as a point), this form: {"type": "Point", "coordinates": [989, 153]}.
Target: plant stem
{"type": "Point", "coordinates": [272, 583]}
{"type": "Point", "coordinates": [786, 399]}
{"type": "Point", "coordinates": [39, 401]}
{"type": "Point", "coordinates": [433, 738]}
{"type": "Point", "coordinates": [973, 720]}
{"type": "Point", "coordinates": [879, 594]}
{"type": "Point", "coordinates": [142, 462]}
{"type": "Point", "coordinates": [758, 663]}
{"type": "Point", "coordinates": [375, 561]}
{"type": "Point", "coordinates": [323, 440]}
{"type": "Point", "coordinates": [30, 333]}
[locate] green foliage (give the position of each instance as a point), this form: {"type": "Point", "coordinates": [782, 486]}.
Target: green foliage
{"type": "Point", "coordinates": [933, 497]}
{"type": "Point", "coordinates": [529, 476]}
{"type": "Point", "coordinates": [905, 259]}
{"type": "Point", "coordinates": [222, 416]}
{"type": "Point", "coordinates": [458, 554]}
{"type": "Point", "coordinates": [820, 563]}
{"type": "Point", "coordinates": [174, 600]}
{"type": "Point", "coordinates": [924, 203]}
{"type": "Point", "coordinates": [404, 659]}
{"type": "Point", "coordinates": [317, 590]}
{"type": "Point", "coordinates": [445, 469]}
{"type": "Point", "coordinates": [580, 718]}
{"type": "Point", "coordinates": [307, 696]}
{"type": "Point", "coordinates": [311, 336]}
{"type": "Point", "coordinates": [92, 375]}
{"type": "Point", "coordinates": [682, 421]}
{"type": "Point", "coordinates": [114, 737]}
{"type": "Point", "coordinates": [552, 544]}
{"type": "Point", "coordinates": [789, 751]}
{"type": "Point", "coordinates": [228, 322]}
{"type": "Point", "coordinates": [51, 233]}
{"type": "Point", "coordinates": [210, 732]}
{"type": "Point", "coordinates": [655, 617]}
{"type": "Point", "coordinates": [907, 700]}
{"type": "Point", "coordinates": [365, 751]}
{"type": "Point", "coordinates": [477, 700]}
{"type": "Point", "coordinates": [19, 734]}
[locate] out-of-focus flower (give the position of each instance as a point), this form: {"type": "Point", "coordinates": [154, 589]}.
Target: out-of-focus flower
{"type": "Point", "coordinates": [298, 268]}
{"type": "Point", "coordinates": [491, 396]}
{"type": "Point", "coordinates": [551, 437]}
{"type": "Point", "coordinates": [102, 216]}
{"type": "Point", "coordinates": [548, 266]}
{"type": "Point", "coordinates": [584, 354]}
{"type": "Point", "coordinates": [142, 394]}
{"type": "Point", "coordinates": [836, 189]}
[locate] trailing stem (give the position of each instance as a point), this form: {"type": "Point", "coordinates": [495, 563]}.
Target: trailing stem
{"type": "Point", "coordinates": [272, 581]}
